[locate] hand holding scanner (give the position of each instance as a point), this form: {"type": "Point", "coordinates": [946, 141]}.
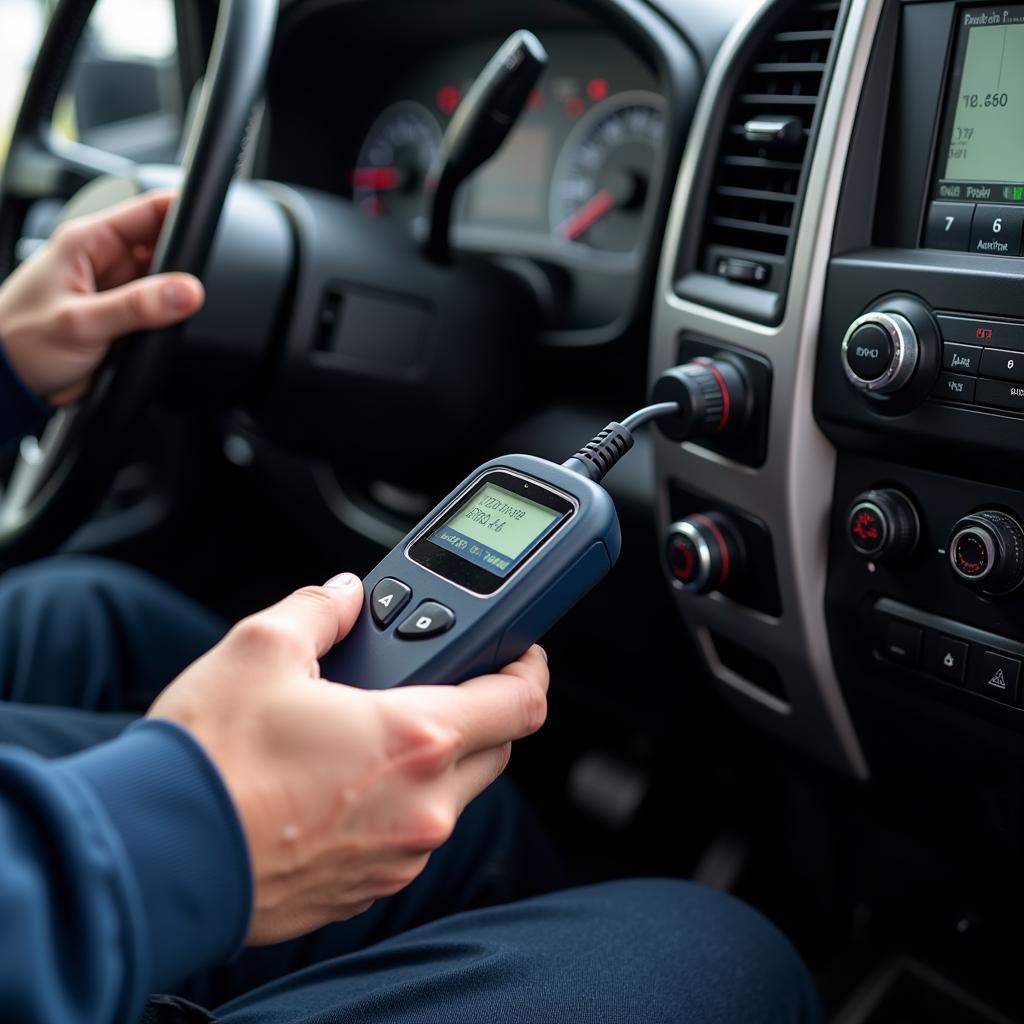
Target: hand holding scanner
{"type": "Point", "coordinates": [503, 557]}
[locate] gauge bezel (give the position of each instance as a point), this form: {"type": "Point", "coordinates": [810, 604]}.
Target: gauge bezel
{"type": "Point", "coordinates": [580, 131]}
{"type": "Point", "coordinates": [421, 111]}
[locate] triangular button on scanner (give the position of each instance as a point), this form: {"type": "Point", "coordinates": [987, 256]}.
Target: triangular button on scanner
{"type": "Point", "coordinates": [389, 597]}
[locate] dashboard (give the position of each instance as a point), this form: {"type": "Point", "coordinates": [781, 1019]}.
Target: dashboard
{"type": "Point", "coordinates": [843, 223]}
{"type": "Point", "coordinates": [571, 197]}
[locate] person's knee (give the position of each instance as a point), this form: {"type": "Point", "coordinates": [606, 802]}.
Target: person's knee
{"type": "Point", "coordinates": [695, 954]}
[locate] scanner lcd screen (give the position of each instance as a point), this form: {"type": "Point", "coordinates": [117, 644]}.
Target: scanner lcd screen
{"type": "Point", "coordinates": [495, 528]}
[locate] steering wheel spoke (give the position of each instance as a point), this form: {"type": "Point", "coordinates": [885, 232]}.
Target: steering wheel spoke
{"type": "Point", "coordinates": [46, 169]}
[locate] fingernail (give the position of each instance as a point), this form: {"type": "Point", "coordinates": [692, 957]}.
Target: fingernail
{"type": "Point", "coordinates": [543, 653]}
{"type": "Point", "coordinates": [346, 579]}
{"type": "Point", "coordinates": [177, 297]}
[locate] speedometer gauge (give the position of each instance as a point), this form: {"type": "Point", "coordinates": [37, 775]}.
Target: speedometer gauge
{"type": "Point", "coordinates": [603, 175]}
{"type": "Point", "coordinates": [394, 161]}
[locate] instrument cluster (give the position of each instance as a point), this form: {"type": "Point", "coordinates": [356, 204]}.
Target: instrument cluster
{"type": "Point", "coordinates": [576, 171]}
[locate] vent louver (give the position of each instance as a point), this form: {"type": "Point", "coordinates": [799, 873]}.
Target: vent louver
{"type": "Point", "coordinates": [760, 173]}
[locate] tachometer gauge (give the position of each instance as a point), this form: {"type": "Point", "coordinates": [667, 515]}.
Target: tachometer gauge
{"type": "Point", "coordinates": [394, 161]}
{"type": "Point", "coordinates": [603, 174]}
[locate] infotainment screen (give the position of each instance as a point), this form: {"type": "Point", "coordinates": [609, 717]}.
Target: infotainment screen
{"type": "Point", "coordinates": [981, 151]}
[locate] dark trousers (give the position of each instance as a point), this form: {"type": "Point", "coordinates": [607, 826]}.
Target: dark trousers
{"type": "Point", "coordinates": [484, 935]}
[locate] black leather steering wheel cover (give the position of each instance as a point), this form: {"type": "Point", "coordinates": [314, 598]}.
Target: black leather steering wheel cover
{"type": "Point", "coordinates": [77, 475]}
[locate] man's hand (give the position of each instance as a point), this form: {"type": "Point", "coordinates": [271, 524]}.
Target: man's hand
{"type": "Point", "coordinates": [60, 311]}
{"type": "Point", "coordinates": [343, 793]}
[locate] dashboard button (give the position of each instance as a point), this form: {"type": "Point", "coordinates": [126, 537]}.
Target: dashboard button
{"type": "Point", "coordinates": [430, 619]}
{"type": "Point", "coordinates": [997, 362]}
{"type": "Point", "coordinates": [389, 597]}
{"type": "Point", "coordinates": [946, 658]}
{"type": "Point", "coordinates": [870, 352]}
{"type": "Point", "coordinates": [997, 230]}
{"type": "Point", "coordinates": [949, 226]}
{"type": "Point", "coordinates": [995, 675]}
{"type": "Point", "coordinates": [1001, 394]}
{"type": "Point", "coordinates": [903, 643]}
{"type": "Point", "coordinates": [974, 330]}
{"type": "Point", "coordinates": [961, 358]}
{"type": "Point", "coordinates": [954, 388]}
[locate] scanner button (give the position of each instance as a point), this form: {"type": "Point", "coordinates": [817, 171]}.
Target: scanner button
{"type": "Point", "coordinates": [430, 619]}
{"type": "Point", "coordinates": [389, 597]}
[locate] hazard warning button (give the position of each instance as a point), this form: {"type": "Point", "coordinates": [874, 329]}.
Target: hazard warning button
{"type": "Point", "coordinates": [389, 597]}
{"type": "Point", "coordinates": [997, 676]}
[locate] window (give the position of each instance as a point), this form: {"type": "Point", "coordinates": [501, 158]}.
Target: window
{"type": "Point", "coordinates": [124, 93]}
{"type": "Point", "coordinates": [23, 22]}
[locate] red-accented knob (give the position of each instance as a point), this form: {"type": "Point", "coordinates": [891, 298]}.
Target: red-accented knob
{"type": "Point", "coordinates": [883, 525]}
{"type": "Point", "coordinates": [703, 553]}
{"type": "Point", "coordinates": [713, 397]}
{"type": "Point", "coordinates": [986, 550]}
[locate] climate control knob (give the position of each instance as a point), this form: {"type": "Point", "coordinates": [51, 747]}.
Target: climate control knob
{"type": "Point", "coordinates": [883, 525]}
{"type": "Point", "coordinates": [880, 353]}
{"type": "Point", "coordinates": [704, 552]}
{"type": "Point", "coordinates": [986, 550]}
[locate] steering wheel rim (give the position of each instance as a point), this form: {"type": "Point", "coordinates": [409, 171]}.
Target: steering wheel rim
{"type": "Point", "coordinates": [55, 485]}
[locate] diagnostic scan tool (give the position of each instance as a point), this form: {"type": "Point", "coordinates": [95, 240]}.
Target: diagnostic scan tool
{"type": "Point", "coordinates": [510, 551]}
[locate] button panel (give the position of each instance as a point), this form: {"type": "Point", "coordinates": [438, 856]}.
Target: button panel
{"type": "Point", "coordinates": [983, 362]}
{"type": "Point", "coordinates": [985, 229]}
{"type": "Point", "coordinates": [970, 659]}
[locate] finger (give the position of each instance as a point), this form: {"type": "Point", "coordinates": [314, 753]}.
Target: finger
{"type": "Point", "coordinates": [478, 771]}
{"type": "Point", "coordinates": [491, 710]}
{"type": "Point", "coordinates": [148, 304]}
{"type": "Point", "coordinates": [312, 620]}
{"type": "Point", "coordinates": [132, 264]}
{"type": "Point", "coordinates": [107, 236]}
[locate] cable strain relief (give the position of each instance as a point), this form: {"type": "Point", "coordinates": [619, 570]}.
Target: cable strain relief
{"type": "Point", "coordinates": [596, 459]}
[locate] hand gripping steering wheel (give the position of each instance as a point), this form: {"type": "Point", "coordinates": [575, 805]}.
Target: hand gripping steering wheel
{"type": "Point", "coordinates": [56, 484]}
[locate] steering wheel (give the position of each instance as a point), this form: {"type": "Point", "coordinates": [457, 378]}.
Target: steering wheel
{"type": "Point", "coordinates": [57, 483]}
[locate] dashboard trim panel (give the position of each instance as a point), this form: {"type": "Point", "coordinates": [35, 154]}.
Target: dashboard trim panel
{"type": "Point", "coordinates": [792, 493]}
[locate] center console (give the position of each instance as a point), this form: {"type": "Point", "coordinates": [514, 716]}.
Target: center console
{"type": "Point", "coordinates": [890, 317]}
{"type": "Point", "coordinates": [920, 371]}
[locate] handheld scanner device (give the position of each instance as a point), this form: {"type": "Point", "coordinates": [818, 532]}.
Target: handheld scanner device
{"type": "Point", "coordinates": [499, 561]}
{"type": "Point", "coordinates": [485, 575]}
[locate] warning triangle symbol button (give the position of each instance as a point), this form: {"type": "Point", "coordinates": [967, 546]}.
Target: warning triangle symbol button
{"type": "Point", "coordinates": [998, 681]}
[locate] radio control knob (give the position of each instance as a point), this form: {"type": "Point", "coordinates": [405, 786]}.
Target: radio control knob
{"type": "Point", "coordinates": [986, 550]}
{"type": "Point", "coordinates": [880, 353]}
{"type": "Point", "coordinates": [704, 553]}
{"type": "Point", "coordinates": [883, 525]}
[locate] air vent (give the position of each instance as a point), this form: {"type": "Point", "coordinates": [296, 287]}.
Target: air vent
{"type": "Point", "coordinates": [760, 174]}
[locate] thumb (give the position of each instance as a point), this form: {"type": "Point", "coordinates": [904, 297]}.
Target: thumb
{"type": "Point", "coordinates": [146, 304]}
{"type": "Point", "coordinates": [313, 619]}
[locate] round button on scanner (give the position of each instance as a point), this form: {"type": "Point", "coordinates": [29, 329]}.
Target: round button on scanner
{"type": "Point", "coordinates": [986, 550]}
{"type": "Point", "coordinates": [703, 553]}
{"type": "Point", "coordinates": [883, 525]}
{"type": "Point", "coordinates": [880, 353]}
{"type": "Point", "coordinates": [430, 619]}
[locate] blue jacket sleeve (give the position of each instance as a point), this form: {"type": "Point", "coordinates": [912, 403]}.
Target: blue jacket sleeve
{"type": "Point", "coordinates": [122, 870]}
{"type": "Point", "coordinates": [20, 410]}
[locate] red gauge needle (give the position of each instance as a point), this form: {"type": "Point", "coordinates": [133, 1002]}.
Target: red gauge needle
{"type": "Point", "coordinates": [379, 179]}
{"type": "Point", "coordinates": [588, 214]}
